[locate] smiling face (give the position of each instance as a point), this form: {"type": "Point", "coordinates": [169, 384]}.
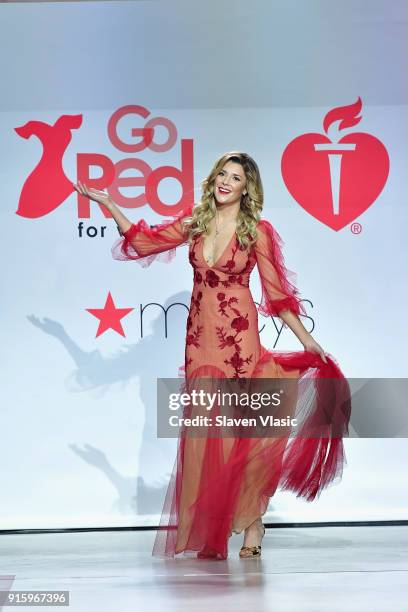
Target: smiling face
{"type": "Point", "coordinates": [229, 184]}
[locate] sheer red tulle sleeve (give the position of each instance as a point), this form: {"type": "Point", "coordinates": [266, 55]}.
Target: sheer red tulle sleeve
{"type": "Point", "coordinates": [279, 291]}
{"type": "Point", "coordinates": [146, 244]}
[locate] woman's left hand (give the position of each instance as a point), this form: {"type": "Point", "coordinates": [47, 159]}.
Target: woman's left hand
{"type": "Point", "coordinates": [310, 344]}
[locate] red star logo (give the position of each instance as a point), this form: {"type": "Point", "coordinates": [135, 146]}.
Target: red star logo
{"type": "Point", "coordinates": [109, 316]}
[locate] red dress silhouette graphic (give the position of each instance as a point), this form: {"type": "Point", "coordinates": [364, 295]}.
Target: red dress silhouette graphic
{"type": "Point", "coordinates": [219, 486]}
{"type": "Point", "coordinates": [47, 186]}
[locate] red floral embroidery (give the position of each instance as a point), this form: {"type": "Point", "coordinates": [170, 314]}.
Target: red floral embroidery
{"type": "Point", "coordinates": [227, 340]}
{"type": "Point", "coordinates": [193, 337]}
{"type": "Point", "coordinates": [211, 278]}
{"type": "Point", "coordinates": [225, 302]}
{"type": "Point", "coordinates": [230, 336]}
{"type": "Point", "coordinates": [230, 264]}
{"type": "Point", "coordinates": [240, 323]}
{"type": "Point", "coordinates": [237, 362]}
{"type": "Point", "coordinates": [192, 255]}
{"type": "Point", "coordinates": [222, 307]}
{"type": "Point", "coordinates": [196, 303]}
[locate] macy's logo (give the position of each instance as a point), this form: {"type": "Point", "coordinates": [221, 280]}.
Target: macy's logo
{"type": "Point", "coordinates": [47, 187]}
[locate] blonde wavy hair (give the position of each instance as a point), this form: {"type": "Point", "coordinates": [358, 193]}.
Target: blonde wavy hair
{"type": "Point", "coordinates": [251, 203]}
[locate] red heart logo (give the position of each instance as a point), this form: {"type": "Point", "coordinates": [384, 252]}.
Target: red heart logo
{"type": "Point", "coordinates": [336, 181]}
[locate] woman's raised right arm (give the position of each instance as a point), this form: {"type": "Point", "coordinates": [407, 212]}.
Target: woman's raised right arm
{"type": "Point", "coordinates": [143, 243]}
{"type": "Point", "coordinates": [122, 221]}
{"type": "Point", "coordinates": [140, 241]}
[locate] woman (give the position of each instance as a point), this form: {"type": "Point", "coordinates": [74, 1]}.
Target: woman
{"type": "Point", "coordinates": [222, 485]}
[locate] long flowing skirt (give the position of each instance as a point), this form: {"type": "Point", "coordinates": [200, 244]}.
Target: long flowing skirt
{"type": "Point", "coordinates": [220, 484]}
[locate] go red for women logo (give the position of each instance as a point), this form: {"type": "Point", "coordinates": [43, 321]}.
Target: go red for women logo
{"type": "Point", "coordinates": [47, 187]}
{"type": "Point", "coordinates": [336, 178]}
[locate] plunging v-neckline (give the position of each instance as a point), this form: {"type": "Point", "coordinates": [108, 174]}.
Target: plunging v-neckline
{"type": "Point", "coordinates": [222, 254]}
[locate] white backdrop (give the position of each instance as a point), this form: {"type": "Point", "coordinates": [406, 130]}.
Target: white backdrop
{"type": "Point", "coordinates": [77, 447]}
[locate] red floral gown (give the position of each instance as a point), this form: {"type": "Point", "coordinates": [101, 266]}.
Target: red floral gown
{"type": "Point", "coordinates": [221, 485]}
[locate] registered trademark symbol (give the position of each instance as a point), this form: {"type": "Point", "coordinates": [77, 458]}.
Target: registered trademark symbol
{"type": "Point", "coordinates": [356, 228]}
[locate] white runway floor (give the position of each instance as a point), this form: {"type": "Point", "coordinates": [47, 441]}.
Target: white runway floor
{"type": "Point", "coordinates": [325, 569]}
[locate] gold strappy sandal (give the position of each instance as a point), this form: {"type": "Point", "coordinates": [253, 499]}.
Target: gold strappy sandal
{"type": "Point", "coordinates": [247, 552]}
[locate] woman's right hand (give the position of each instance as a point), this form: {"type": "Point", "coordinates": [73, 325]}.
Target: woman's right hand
{"type": "Point", "coordinates": [94, 194]}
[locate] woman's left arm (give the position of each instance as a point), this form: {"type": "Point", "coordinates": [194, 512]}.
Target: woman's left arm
{"type": "Point", "coordinates": [280, 296]}
{"type": "Point", "coordinates": [296, 325]}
